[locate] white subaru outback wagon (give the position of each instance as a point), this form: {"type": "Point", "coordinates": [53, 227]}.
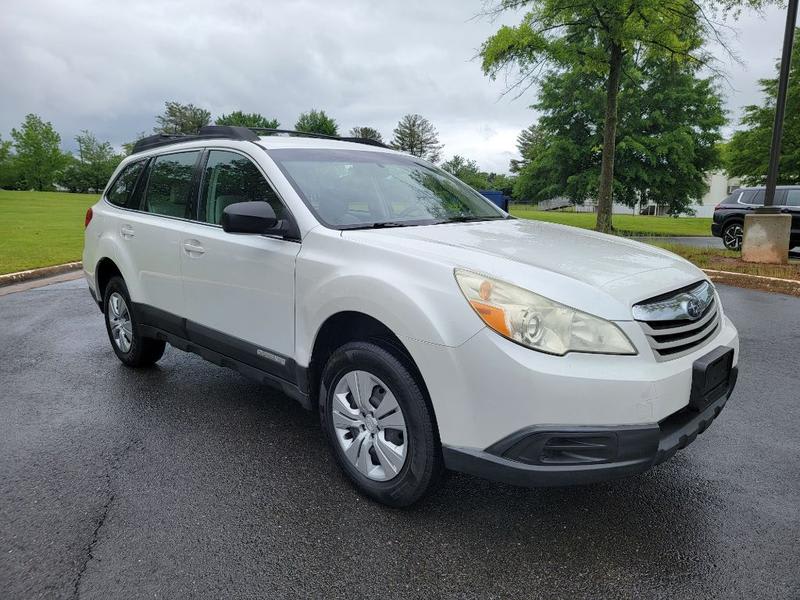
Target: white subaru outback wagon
{"type": "Point", "coordinates": [430, 329]}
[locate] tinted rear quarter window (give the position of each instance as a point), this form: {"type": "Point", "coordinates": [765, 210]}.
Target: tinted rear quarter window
{"type": "Point", "coordinates": [121, 191]}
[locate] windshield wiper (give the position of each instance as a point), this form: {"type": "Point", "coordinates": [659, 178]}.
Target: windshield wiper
{"type": "Point", "coordinates": [470, 218]}
{"type": "Point", "coordinates": [381, 225]}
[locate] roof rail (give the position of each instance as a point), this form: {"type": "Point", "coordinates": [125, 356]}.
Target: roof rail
{"type": "Point", "coordinates": [209, 132]}
{"type": "Point", "coordinates": [324, 136]}
{"type": "Point", "coordinates": [230, 132]}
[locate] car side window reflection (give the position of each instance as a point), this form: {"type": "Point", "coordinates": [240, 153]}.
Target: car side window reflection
{"type": "Point", "coordinates": [170, 184]}
{"type": "Point", "coordinates": [229, 178]}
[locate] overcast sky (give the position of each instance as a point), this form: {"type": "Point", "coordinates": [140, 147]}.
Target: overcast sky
{"type": "Point", "coordinates": [108, 66]}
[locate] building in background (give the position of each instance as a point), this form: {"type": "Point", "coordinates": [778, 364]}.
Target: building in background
{"type": "Point", "coordinates": [720, 187]}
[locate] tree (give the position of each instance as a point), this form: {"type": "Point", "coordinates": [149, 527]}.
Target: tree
{"type": "Point", "coordinates": [501, 182]}
{"type": "Point", "coordinates": [746, 155]}
{"type": "Point", "coordinates": [528, 141]}
{"type": "Point", "coordinates": [38, 156]}
{"type": "Point", "coordinates": [241, 119]}
{"type": "Point", "coordinates": [668, 135]}
{"type": "Point", "coordinates": [9, 177]}
{"type": "Point", "coordinates": [467, 171]}
{"type": "Point", "coordinates": [182, 118]}
{"type": "Point", "coordinates": [415, 134]}
{"type": "Point", "coordinates": [598, 37]}
{"type": "Point", "coordinates": [127, 147]}
{"type": "Point", "coordinates": [316, 121]}
{"type": "Point", "coordinates": [367, 133]}
{"type": "Point", "coordinates": [92, 167]}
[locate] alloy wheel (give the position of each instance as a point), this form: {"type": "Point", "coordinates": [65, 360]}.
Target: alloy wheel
{"type": "Point", "coordinates": [732, 237]}
{"type": "Point", "coordinates": [369, 425]}
{"type": "Point", "coordinates": [119, 321]}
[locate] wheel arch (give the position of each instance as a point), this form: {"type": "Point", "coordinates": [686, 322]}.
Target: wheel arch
{"type": "Point", "coordinates": [104, 271]}
{"type": "Point", "coordinates": [349, 326]}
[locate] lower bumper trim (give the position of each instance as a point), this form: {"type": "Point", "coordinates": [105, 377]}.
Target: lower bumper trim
{"type": "Point", "coordinates": [592, 454]}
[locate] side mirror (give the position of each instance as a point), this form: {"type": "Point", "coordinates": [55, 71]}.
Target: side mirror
{"type": "Point", "coordinates": [250, 217]}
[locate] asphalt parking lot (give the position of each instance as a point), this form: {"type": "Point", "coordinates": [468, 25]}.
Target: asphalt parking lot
{"type": "Point", "coordinates": [188, 481]}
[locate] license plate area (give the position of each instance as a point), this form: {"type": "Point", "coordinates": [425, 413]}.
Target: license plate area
{"type": "Point", "coordinates": [710, 377]}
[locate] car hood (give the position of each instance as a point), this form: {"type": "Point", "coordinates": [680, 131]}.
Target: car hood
{"type": "Point", "coordinates": [627, 270]}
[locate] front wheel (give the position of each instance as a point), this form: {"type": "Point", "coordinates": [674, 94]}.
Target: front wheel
{"type": "Point", "coordinates": [123, 329]}
{"type": "Point", "coordinates": [732, 236]}
{"type": "Point", "coordinates": [379, 425]}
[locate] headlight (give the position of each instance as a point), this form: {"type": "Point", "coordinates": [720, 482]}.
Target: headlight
{"type": "Point", "coordinates": [538, 323]}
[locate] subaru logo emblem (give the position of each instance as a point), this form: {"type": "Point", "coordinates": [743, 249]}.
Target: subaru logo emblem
{"type": "Point", "coordinates": [693, 307]}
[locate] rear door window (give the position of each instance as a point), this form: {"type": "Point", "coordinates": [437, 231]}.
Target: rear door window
{"type": "Point", "coordinates": [754, 197]}
{"type": "Point", "coordinates": [121, 192]}
{"type": "Point", "coordinates": [792, 198]}
{"type": "Point", "coordinates": [169, 186]}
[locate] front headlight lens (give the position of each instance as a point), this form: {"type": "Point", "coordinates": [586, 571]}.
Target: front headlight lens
{"type": "Point", "coordinates": [538, 323]}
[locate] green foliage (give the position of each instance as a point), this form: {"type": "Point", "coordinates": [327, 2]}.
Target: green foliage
{"type": "Point", "coordinates": [367, 133]}
{"type": "Point", "coordinates": [182, 118]}
{"type": "Point", "coordinates": [91, 169]}
{"type": "Point", "coordinates": [9, 175]}
{"type": "Point", "coordinates": [241, 119]}
{"type": "Point", "coordinates": [316, 121]}
{"type": "Point", "coordinates": [127, 147]}
{"type": "Point", "coordinates": [501, 182]}
{"type": "Point", "coordinates": [667, 137]}
{"type": "Point", "coordinates": [747, 153]}
{"type": "Point", "coordinates": [415, 134]}
{"type": "Point", "coordinates": [38, 157]}
{"type": "Point", "coordinates": [596, 39]}
{"type": "Point", "coordinates": [467, 171]}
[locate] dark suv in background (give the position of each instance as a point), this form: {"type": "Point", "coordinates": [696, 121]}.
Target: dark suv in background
{"type": "Point", "coordinates": [729, 214]}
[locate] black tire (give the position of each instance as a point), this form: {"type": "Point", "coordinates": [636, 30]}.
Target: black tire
{"type": "Point", "coordinates": [423, 465]}
{"type": "Point", "coordinates": [143, 352]}
{"type": "Point", "coordinates": [732, 235]}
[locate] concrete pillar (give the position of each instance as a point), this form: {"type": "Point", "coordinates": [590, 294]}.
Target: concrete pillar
{"type": "Point", "coordinates": [766, 238]}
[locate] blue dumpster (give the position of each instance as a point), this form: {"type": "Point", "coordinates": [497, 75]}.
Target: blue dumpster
{"type": "Point", "coordinates": [496, 197]}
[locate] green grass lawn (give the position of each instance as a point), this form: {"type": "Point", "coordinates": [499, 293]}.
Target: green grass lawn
{"type": "Point", "coordinates": [39, 229]}
{"type": "Point", "coordinates": [624, 224]}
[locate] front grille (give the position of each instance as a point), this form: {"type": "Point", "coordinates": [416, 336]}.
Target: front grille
{"type": "Point", "coordinates": [679, 322]}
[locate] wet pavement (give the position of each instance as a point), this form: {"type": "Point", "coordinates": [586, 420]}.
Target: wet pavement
{"type": "Point", "coordinates": [188, 481]}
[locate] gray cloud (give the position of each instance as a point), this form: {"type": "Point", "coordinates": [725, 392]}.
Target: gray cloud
{"type": "Point", "coordinates": [108, 65]}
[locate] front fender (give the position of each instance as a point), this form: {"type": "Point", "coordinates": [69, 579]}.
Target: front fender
{"type": "Point", "coordinates": [415, 299]}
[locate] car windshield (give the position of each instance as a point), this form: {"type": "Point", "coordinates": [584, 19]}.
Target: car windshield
{"type": "Point", "coordinates": [353, 189]}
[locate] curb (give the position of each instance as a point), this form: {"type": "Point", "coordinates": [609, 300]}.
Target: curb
{"type": "Point", "coordinates": [757, 282]}
{"type": "Point", "coordinates": [750, 276]}
{"type": "Point", "coordinates": [21, 276]}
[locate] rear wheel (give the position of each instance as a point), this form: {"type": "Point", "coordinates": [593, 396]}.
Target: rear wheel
{"type": "Point", "coordinates": [123, 329]}
{"type": "Point", "coordinates": [732, 236]}
{"type": "Point", "coordinates": [379, 424]}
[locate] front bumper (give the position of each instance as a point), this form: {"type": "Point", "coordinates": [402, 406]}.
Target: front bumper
{"type": "Point", "coordinates": [555, 456]}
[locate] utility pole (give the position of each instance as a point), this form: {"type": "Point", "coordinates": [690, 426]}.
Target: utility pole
{"type": "Point", "coordinates": [766, 229]}
{"type": "Point", "coordinates": [780, 105]}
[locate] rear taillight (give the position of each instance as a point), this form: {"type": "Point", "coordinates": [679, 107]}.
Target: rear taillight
{"type": "Point", "coordinates": [88, 220]}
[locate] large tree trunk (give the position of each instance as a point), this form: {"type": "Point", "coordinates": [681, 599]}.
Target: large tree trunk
{"type": "Point", "coordinates": [605, 191]}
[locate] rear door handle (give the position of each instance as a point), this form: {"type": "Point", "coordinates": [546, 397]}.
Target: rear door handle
{"type": "Point", "coordinates": [193, 248]}
{"type": "Point", "coordinates": [126, 231]}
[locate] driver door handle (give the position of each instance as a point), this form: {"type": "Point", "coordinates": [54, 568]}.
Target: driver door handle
{"type": "Point", "coordinates": [193, 248]}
